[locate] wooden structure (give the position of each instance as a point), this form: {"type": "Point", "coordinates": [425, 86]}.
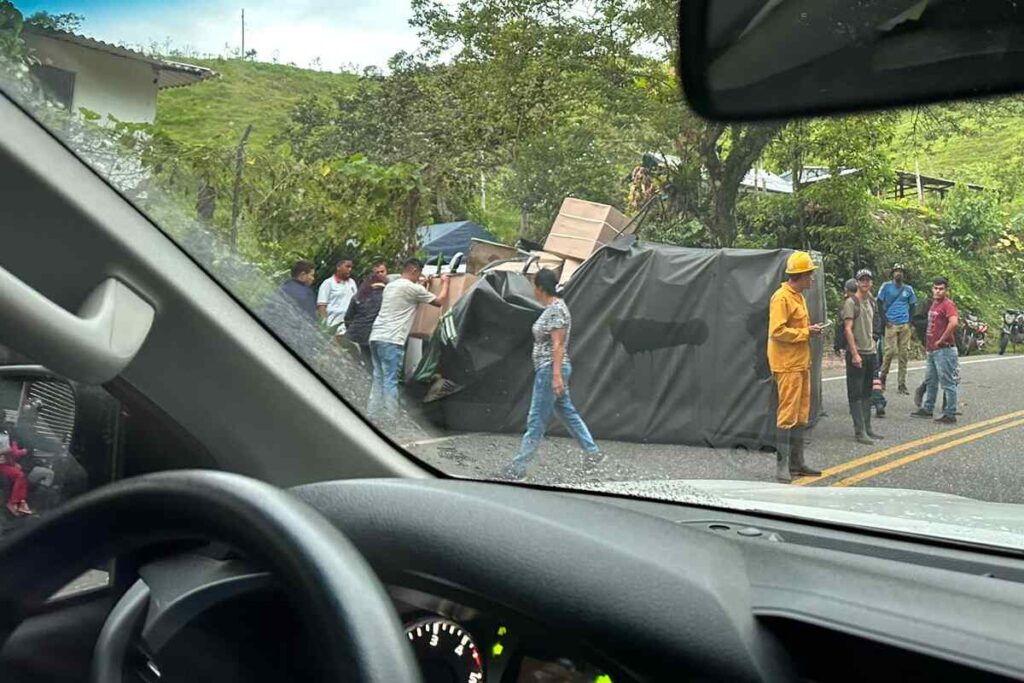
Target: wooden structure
{"type": "Point", "coordinates": [907, 184]}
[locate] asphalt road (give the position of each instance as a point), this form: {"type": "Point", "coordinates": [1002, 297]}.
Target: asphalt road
{"type": "Point", "coordinates": [981, 457]}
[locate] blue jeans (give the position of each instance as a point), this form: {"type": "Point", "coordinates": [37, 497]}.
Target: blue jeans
{"type": "Point", "coordinates": [942, 369]}
{"type": "Point", "coordinates": [387, 361]}
{"type": "Point", "coordinates": [542, 405]}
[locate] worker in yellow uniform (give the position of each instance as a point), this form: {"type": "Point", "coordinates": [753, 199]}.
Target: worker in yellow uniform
{"type": "Point", "coordinates": [789, 356]}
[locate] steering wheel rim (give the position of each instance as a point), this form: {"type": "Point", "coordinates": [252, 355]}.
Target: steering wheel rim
{"type": "Point", "coordinates": [355, 629]}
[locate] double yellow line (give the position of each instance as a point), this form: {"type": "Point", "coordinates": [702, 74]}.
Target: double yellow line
{"type": "Point", "coordinates": [1003, 423]}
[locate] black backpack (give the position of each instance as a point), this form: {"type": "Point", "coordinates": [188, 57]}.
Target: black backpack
{"type": "Point", "coordinates": [839, 343]}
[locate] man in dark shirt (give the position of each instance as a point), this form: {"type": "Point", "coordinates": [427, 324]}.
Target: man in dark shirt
{"type": "Point", "coordinates": [293, 306]}
{"type": "Point", "coordinates": [943, 362]}
{"type": "Point", "coordinates": [299, 287]}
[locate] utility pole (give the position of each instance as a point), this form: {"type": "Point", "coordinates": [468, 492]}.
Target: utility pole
{"type": "Point", "coordinates": [483, 184]}
{"type": "Point", "coordinates": [243, 34]}
{"type": "Point", "coordinates": [920, 187]}
{"type": "Point", "coordinates": [236, 192]}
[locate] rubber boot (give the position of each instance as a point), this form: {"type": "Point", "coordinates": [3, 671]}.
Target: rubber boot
{"type": "Point", "coordinates": [867, 420]}
{"type": "Point", "coordinates": [782, 456]}
{"type": "Point", "coordinates": [857, 413]}
{"type": "Point", "coordinates": [797, 466]}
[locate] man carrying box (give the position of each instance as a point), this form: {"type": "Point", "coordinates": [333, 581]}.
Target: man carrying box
{"type": "Point", "coordinates": [390, 333]}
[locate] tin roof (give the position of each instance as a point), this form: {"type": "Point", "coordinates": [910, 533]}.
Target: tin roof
{"type": "Point", "coordinates": [170, 74]}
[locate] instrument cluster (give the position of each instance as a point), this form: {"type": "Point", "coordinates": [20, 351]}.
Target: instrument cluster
{"type": "Point", "coordinates": [454, 643]}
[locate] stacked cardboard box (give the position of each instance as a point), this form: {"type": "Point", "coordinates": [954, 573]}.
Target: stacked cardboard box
{"type": "Point", "coordinates": [583, 227]}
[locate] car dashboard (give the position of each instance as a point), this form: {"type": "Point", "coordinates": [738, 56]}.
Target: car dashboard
{"type": "Point", "coordinates": [510, 585]}
{"type": "Point", "coordinates": [207, 614]}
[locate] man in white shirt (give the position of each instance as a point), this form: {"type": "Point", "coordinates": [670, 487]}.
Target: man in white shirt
{"type": "Point", "coordinates": [390, 332]}
{"type": "Point", "coordinates": [335, 294]}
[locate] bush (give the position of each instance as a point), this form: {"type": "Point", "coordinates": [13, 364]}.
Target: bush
{"type": "Point", "coordinates": [970, 219]}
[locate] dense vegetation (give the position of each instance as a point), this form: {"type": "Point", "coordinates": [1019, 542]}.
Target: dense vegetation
{"type": "Point", "coordinates": [511, 105]}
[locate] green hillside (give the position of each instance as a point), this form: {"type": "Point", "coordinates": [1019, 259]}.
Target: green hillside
{"type": "Point", "coordinates": [972, 150]}
{"type": "Point", "coordinates": [263, 94]}
{"type": "Point", "coordinates": [246, 92]}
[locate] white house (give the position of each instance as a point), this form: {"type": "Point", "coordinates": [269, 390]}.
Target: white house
{"type": "Point", "coordinates": [81, 72]}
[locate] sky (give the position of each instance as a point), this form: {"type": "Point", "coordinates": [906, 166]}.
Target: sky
{"type": "Point", "coordinates": [341, 33]}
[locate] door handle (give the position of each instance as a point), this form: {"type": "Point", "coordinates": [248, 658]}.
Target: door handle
{"type": "Point", "coordinates": [92, 346]}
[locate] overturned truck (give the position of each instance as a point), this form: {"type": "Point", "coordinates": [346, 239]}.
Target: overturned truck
{"type": "Point", "coordinates": [668, 345]}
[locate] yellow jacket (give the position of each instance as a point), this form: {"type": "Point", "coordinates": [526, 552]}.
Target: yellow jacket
{"type": "Point", "coordinates": [789, 340]}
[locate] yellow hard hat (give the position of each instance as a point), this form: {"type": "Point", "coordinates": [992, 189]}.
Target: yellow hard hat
{"type": "Point", "coordinates": [799, 262]}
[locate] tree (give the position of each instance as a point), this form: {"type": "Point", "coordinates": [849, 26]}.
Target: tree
{"type": "Point", "coordinates": [971, 219]}
{"type": "Point", "coordinates": [861, 144]}
{"type": "Point", "coordinates": [713, 157]}
{"type": "Point", "coordinates": [66, 21]}
{"type": "Point", "coordinates": [407, 118]}
{"type": "Point", "coordinates": [11, 24]}
{"type": "Point", "coordinates": [573, 159]}
{"type": "Point", "coordinates": [514, 74]}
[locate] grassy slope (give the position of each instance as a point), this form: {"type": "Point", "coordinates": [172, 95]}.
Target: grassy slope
{"type": "Point", "coordinates": [264, 94]}
{"type": "Point", "coordinates": [246, 92]}
{"type": "Point", "coordinates": [969, 154]}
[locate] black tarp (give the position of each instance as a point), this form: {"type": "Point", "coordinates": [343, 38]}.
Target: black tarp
{"type": "Point", "coordinates": [668, 345]}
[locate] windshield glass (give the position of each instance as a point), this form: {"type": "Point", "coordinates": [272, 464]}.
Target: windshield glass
{"type": "Point", "coordinates": [495, 229]}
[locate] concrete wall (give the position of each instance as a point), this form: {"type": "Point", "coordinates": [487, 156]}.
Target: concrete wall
{"type": "Point", "coordinates": [104, 83]}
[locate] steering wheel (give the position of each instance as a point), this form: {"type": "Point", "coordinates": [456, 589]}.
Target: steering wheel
{"type": "Point", "coordinates": [347, 612]}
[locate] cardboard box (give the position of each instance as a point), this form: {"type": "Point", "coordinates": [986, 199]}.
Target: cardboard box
{"type": "Point", "coordinates": [569, 267]}
{"type": "Point", "coordinates": [509, 267]}
{"type": "Point", "coordinates": [544, 260]}
{"type": "Point", "coordinates": [583, 227]}
{"type": "Point", "coordinates": [555, 262]}
{"type": "Point", "coordinates": [427, 316]}
{"type": "Point", "coordinates": [482, 252]}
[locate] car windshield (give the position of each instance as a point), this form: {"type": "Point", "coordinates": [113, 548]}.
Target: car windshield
{"type": "Point", "coordinates": [494, 228]}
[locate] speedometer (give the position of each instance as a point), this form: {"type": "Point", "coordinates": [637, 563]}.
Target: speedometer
{"type": "Point", "coordinates": [445, 651]}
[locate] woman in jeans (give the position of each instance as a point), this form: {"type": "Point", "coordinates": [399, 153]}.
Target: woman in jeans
{"type": "Point", "coordinates": [551, 381]}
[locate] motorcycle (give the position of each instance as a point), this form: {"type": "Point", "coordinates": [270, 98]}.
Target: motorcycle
{"type": "Point", "coordinates": [1013, 329]}
{"type": "Point", "coordinates": [971, 335]}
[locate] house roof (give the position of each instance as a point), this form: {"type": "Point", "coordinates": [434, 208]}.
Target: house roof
{"type": "Point", "coordinates": [759, 179]}
{"type": "Point", "coordinates": [756, 179]}
{"type": "Point", "coordinates": [169, 74]}
{"type": "Point", "coordinates": [813, 174]}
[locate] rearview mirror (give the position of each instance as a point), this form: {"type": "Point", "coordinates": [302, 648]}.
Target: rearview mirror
{"type": "Point", "coordinates": [759, 59]}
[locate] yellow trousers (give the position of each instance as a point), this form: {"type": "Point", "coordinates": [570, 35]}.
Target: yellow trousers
{"type": "Point", "coordinates": [794, 399]}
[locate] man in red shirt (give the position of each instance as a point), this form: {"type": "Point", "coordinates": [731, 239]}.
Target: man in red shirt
{"type": "Point", "coordinates": [942, 355]}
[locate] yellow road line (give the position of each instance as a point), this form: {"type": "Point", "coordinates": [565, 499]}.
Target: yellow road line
{"type": "Point", "coordinates": [900, 448]}
{"type": "Point", "coordinates": [913, 457]}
